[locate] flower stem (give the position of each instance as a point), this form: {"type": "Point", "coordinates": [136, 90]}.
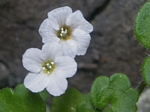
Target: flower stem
{"type": "Point", "coordinates": [141, 87]}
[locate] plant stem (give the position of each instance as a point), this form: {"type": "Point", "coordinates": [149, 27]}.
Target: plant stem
{"type": "Point", "coordinates": [141, 87]}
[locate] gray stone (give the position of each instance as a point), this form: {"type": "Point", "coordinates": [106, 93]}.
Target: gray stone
{"type": "Point", "coordinates": [113, 46]}
{"type": "Point", "coordinates": [143, 103]}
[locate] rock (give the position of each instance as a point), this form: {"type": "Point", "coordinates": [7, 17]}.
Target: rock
{"type": "Point", "coordinates": [113, 37]}
{"type": "Point", "coordinates": [20, 21]}
{"type": "Point", "coordinates": [143, 103]}
{"type": "Point", "coordinates": [2, 2]}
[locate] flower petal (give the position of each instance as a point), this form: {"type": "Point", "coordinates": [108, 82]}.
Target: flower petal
{"type": "Point", "coordinates": [65, 66]}
{"type": "Point", "coordinates": [76, 20]}
{"type": "Point", "coordinates": [47, 33]}
{"type": "Point", "coordinates": [83, 41]}
{"type": "Point", "coordinates": [57, 86]}
{"type": "Point", "coordinates": [31, 60]}
{"type": "Point", "coordinates": [69, 48]}
{"type": "Point", "coordinates": [51, 50]}
{"type": "Point", "coordinates": [58, 16]}
{"type": "Point", "coordinates": [36, 82]}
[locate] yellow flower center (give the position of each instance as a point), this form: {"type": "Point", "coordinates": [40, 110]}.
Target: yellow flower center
{"type": "Point", "coordinates": [48, 67]}
{"type": "Point", "coordinates": [64, 33]}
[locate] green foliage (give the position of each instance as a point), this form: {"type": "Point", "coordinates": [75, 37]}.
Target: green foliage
{"type": "Point", "coordinates": [20, 100]}
{"type": "Point", "coordinates": [114, 94]}
{"type": "Point", "coordinates": [142, 25]}
{"type": "Point", "coordinates": [86, 105]}
{"type": "Point", "coordinates": [146, 70]}
{"type": "Point", "coordinates": [67, 102]}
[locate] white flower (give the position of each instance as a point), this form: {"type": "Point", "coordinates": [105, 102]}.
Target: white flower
{"type": "Point", "coordinates": [48, 69]}
{"type": "Point", "coordinates": [68, 28]}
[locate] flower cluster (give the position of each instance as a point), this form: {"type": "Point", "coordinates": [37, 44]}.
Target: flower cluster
{"type": "Point", "coordinates": [65, 34]}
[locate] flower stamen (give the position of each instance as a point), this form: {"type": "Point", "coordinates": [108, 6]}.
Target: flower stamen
{"type": "Point", "coordinates": [48, 67]}
{"type": "Point", "coordinates": [64, 33]}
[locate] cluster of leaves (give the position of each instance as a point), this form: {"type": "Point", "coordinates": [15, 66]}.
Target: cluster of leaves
{"type": "Point", "coordinates": [20, 100]}
{"type": "Point", "coordinates": [107, 95]}
{"type": "Point", "coordinates": [112, 94]}
{"type": "Point", "coordinates": [142, 32]}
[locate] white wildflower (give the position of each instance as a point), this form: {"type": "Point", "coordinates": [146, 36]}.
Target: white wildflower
{"type": "Point", "coordinates": [48, 69]}
{"type": "Point", "coordinates": [68, 28]}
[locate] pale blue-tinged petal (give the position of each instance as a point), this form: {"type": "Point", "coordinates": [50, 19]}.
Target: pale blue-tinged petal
{"type": "Point", "coordinates": [54, 23]}
{"type": "Point", "coordinates": [31, 60]}
{"type": "Point", "coordinates": [36, 82]}
{"type": "Point", "coordinates": [51, 50]}
{"type": "Point", "coordinates": [76, 20]}
{"type": "Point", "coordinates": [65, 66]}
{"type": "Point", "coordinates": [47, 33]}
{"type": "Point", "coordinates": [83, 41]}
{"type": "Point", "coordinates": [57, 85]}
{"type": "Point", "coordinates": [58, 16]}
{"type": "Point", "coordinates": [69, 48]}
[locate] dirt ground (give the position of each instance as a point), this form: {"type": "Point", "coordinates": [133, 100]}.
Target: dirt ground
{"type": "Point", "coordinates": [113, 46]}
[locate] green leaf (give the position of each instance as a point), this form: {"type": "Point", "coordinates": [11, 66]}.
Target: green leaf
{"type": "Point", "coordinates": [100, 93]}
{"type": "Point", "coordinates": [142, 25]}
{"type": "Point", "coordinates": [67, 102]}
{"type": "Point", "coordinates": [107, 109]}
{"type": "Point", "coordinates": [86, 105]}
{"type": "Point", "coordinates": [146, 70]}
{"type": "Point", "coordinates": [119, 81]}
{"type": "Point", "coordinates": [125, 101]}
{"type": "Point", "coordinates": [114, 94]}
{"type": "Point", "coordinates": [20, 100]}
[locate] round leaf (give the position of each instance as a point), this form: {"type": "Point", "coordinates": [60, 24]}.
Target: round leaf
{"type": "Point", "coordinates": [119, 81]}
{"type": "Point", "coordinates": [86, 105]}
{"type": "Point", "coordinates": [20, 100]}
{"type": "Point", "coordinates": [146, 70]}
{"type": "Point", "coordinates": [100, 93]}
{"type": "Point", "coordinates": [142, 25]}
{"type": "Point", "coordinates": [114, 94]}
{"type": "Point", "coordinates": [125, 101]}
{"type": "Point", "coordinates": [67, 102]}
